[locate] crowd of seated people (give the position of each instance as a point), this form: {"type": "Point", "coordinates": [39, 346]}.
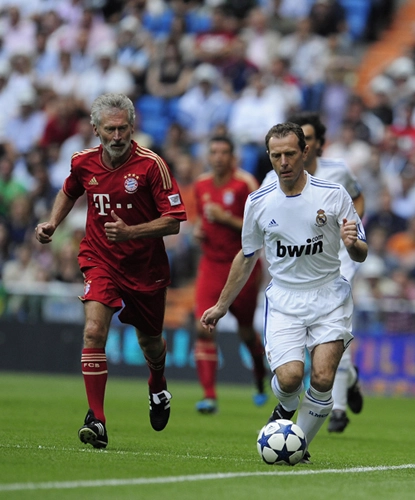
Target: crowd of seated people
{"type": "Point", "coordinates": [194, 68]}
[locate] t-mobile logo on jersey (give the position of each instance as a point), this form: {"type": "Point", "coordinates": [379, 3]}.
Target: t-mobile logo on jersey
{"type": "Point", "coordinates": [102, 203]}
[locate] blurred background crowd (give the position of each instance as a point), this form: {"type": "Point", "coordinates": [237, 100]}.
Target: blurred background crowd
{"type": "Point", "coordinates": [193, 69]}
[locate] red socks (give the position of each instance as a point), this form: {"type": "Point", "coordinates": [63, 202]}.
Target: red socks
{"type": "Point", "coordinates": [95, 372]}
{"type": "Point", "coordinates": [206, 357]}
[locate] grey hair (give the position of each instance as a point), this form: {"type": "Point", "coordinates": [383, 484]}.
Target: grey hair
{"type": "Point", "coordinates": [108, 101]}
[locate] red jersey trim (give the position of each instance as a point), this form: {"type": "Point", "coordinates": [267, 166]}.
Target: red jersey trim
{"type": "Point", "coordinates": [84, 152]}
{"type": "Point", "coordinates": [147, 153]}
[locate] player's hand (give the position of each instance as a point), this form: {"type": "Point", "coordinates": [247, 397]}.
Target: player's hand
{"type": "Point", "coordinates": [348, 233]}
{"type": "Point", "coordinates": [211, 317]}
{"type": "Point", "coordinates": [117, 230]}
{"type": "Point", "coordinates": [44, 232]}
{"type": "Point", "coordinates": [214, 212]}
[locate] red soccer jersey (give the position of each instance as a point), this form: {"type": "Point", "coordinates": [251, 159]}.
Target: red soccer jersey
{"type": "Point", "coordinates": [140, 190]}
{"type": "Point", "coordinates": [221, 242]}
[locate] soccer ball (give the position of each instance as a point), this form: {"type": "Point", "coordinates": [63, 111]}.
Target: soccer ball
{"type": "Point", "coordinates": [281, 442]}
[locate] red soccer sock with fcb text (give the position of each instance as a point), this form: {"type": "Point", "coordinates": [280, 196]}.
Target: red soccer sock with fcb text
{"type": "Point", "coordinates": [157, 381]}
{"type": "Point", "coordinates": [257, 352]}
{"type": "Point", "coordinates": [95, 372]}
{"type": "Point", "coordinates": [206, 357]}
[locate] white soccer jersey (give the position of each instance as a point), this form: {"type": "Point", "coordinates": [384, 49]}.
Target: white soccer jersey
{"type": "Point", "coordinates": [300, 234]}
{"type": "Point", "coordinates": [334, 170]}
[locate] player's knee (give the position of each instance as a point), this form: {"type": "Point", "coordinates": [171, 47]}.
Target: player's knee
{"type": "Point", "coordinates": [95, 334]}
{"type": "Point", "coordinates": [322, 382]}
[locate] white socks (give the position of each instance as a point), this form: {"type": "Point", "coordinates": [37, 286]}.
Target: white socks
{"type": "Point", "coordinates": [289, 401]}
{"type": "Point", "coordinates": [345, 377]}
{"type": "Point", "coordinates": [315, 408]}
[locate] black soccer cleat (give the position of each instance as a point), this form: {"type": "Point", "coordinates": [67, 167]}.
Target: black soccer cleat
{"type": "Point", "coordinates": [306, 458]}
{"type": "Point", "coordinates": [355, 396]}
{"type": "Point", "coordinates": [159, 409]}
{"type": "Point", "coordinates": [338, 421]}
{"type": "Point", "coordinates": [93, 431]}
{"type": "Point", "coordinates": [279, 413]}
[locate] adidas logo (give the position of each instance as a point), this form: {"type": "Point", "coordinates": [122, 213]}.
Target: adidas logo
{"type": "Point", "coordinates": [93, 182]}
{"type": "Point", "coordinates": [273, 223]}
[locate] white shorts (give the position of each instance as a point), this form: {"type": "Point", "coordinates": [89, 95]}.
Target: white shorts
{"type": "Point", "coordinates": [296, 319]}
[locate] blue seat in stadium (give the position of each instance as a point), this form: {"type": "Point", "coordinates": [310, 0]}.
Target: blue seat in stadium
{"type": "Point", "coordinates": [156, 127]}
{"type": "Point", "coordinates": [248, 155]}
{"type": "Point", "coordinates": [149, 105]}
{"type": "Point", "coordinates": [357, 14]}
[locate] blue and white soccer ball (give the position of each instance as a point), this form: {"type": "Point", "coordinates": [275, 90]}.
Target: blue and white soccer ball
{"type": "Point", "coordinates": [281, 442]}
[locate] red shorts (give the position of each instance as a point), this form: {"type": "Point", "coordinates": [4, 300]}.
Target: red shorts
{"type": "Point", "coordinates": [211, 278]}
{"type": "Point", "coordinates": [143, 310]}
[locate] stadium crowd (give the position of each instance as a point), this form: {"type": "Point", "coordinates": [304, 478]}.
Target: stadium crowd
{"type": "Point", "coordinates": [193, 69]}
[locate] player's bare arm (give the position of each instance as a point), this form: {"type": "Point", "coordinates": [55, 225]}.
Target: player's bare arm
{"type": "Point", "coordinates": [238, 275]}
{"type": "Point", "coordinates": [356, 248]}
{"type": "Point", "coordinates": [61, 207]}
{"type": "Point", "coordinates": [120, 231]}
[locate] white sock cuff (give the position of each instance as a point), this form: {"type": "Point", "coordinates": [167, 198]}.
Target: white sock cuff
{"type": "Point", "coordinates": [319, 397]}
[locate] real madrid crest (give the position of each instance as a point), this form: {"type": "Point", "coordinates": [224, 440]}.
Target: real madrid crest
{"type": "Point", "coordinates": [321, 218]}
{"type": "Point", "coordinates": [131, 183]}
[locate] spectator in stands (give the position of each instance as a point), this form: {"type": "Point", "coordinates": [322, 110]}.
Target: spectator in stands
{"type": "Point", "coordinates": [4, 245]}
{"type": "Point", "coordinates": [309, 55]}
{"type": "Point", "coordinates": [403, 202]}
{"type": "Point", "coordinates": [84, 138]}
{"type": "Point", "coordinates": [385, 217]}
{"type": "Point", "coordinates": [238, 69]}
{"type": "Point", "coordinates": [401, 245]}
{"type": "Point", "coordinates": [284, 14]}
{"type": "Point", "coordinates": [260, 106]}
{"type": "Point", "coordinates": [23, 270]}
{"type": "Point", "coordinates": [355, 152]}
{"type": "Point", "coordinates": [61, 122]}
{"type": "Point", "coordinates": [328, 17]}
{"type": "Point", "coordinates": [392, 159]}
{"type": "Point", "coordinates": [106, 76]}
{"type": "Point", "coordinates": [380, 104]}
{"type": "Point", "coordinates": [367, 126]}
{"type": "Point", "coordinates": [62, 78]}
{"type": "Point", "coordinates": [19, 32]}
{"type": "Point", "coordinates": [9, 104]}
{"type": "Point", "coordinates": [43, 193]}
{"type": "Point", "coordinates": [24, 131]}
{"type": "Point", "coordinates": [215, 46]}
{"type": "Point", "coordinates": [134, 48]}
{"type": "Point", "coordinates": [168, 76]}
{"type": "Point", "coordinates": [20, 220]}
{"type": "Point", "coordinates": [10, 188]}
{"type": "Point", "coordinates": [203, 106]}
{"type": "Point", "coordinates": [82, 59]}
{"type": "Point", "coordinates": [262, 43]}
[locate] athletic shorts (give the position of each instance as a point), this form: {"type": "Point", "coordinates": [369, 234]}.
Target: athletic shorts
{"type": "Point", "coordinates": [299, 319]}
{"type": "Point", "coordinates": [211, 278]}
{"type": "Point", "coordinates": [143, 310]}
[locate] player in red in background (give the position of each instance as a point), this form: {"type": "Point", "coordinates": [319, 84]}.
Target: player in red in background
{"type": "Point", "coordinates": [133, 201]}
{"type": "Point", "coordinates": [221, 196]}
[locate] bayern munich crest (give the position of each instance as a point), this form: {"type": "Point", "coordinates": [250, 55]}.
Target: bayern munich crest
{"type": "Point", "coordinates": [131, 183]}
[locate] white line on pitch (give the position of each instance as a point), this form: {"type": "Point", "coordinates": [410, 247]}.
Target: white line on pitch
{"type": "Point", "coordinates": [180, 479]}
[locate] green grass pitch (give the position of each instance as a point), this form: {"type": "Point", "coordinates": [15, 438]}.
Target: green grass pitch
{"type": "Point", "coordinates": [196, 457]}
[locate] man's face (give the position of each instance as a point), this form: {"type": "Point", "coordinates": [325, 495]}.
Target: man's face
{"type": "Point", "coordinates": [287, 160]}
{"type": "Point", "coordinates": [220, 157]}
{"type": "Point", "coordinates": [314, 144]}
{"type": "Point", "coordinates": [115, 133]}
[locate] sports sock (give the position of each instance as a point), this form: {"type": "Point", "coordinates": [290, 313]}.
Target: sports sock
{"type": "Point", "coordinates": [95, 373]}
{"type": "Point", "coordinates": [289, 401]}
{"type": "Point", "coordinates": [345, 377]}
{"type": "Point", "coordinates": [314, 409]}
{"type": "Point", "coordinates": [206, 357]}
{"type": "Point", "coordinates": [257, 352]}
{"type": "Point", "coordinates": [157, 381]}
